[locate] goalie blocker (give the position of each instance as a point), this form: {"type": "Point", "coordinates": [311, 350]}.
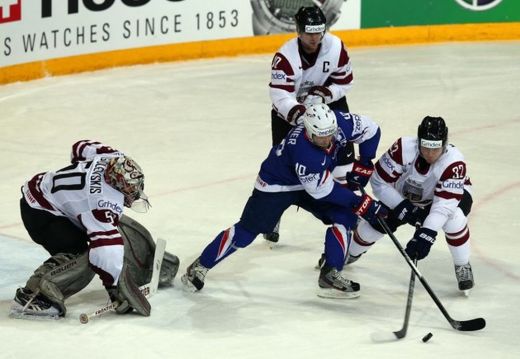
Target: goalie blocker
{"type": "Point", "coordinates": [64, 275]}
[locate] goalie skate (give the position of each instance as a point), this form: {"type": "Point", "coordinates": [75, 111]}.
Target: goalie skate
{"type": "Point", "coordinates": [33, 306]}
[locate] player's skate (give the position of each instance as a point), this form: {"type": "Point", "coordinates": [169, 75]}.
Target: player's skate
{"type": "Point", "coordinates": [333, 285]}
{"type": "Point", "coordinates": [193, 279]}
{"type": "Point", "coordinates": [350, 259]}
{"type": "Point", "coordinates": [29, 305]}
{"type": "Point", "coordinates": [464, 276]}
{"type": "Point", "coordinates": [273, 237]}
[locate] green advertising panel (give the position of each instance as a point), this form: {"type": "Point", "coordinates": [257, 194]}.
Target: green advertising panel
{"type": "Point", "coordinates": [383, 13]}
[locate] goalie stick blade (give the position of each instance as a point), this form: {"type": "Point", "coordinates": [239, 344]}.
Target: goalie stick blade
{"type": "Point", "coordinates": [469, 325]}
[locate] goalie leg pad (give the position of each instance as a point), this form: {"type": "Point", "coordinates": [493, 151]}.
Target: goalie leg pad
{"type": "Point", "coordinates": [61, 276]}
{"type": "Point", "coordinates": [139, 250]}
{"type": "Point", "coordinates": [139, 253]}
{"type": "Point", "coordinates": [130, 291]}
{"type": "Point", "coordinates": [169, 268]}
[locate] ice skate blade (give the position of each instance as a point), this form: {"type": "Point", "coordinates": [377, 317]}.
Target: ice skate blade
{"type": "Point", "coordinates": [270, 245]}
{"type": "Point", "coordinates": [187, 286]}
{"type": "Point", "coordinates": [17, 313]}
{"type": "Point", "coordinates": [336, 294]}
{"type": "Point", "coordinates": [466, 292]}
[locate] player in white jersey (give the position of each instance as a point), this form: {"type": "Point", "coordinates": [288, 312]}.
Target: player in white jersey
{"type": "Point", "coordinates": [76, 214]}
{"type": "Point", "coordinates": [314, 67]}
{"type": "Point", "coordinates": [424, 181]}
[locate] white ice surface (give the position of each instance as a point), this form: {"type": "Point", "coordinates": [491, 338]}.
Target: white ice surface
{"type": "Point", "coordinates": [200, 131]}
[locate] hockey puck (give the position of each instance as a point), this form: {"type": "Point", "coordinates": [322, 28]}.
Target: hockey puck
{"type": "Point", "coordinates": [83, 318]}
{"type": "Point", "coordinates": [427, 337]}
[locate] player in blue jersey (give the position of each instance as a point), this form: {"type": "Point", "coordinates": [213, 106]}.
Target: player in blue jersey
{"type": "Point", "coordinates": [298, 172]}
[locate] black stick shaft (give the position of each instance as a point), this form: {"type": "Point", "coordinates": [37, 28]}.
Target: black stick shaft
{"type": "Point", "coordinates": [468, 325]}
{"type": "Point", "coordinates": [402, 332]}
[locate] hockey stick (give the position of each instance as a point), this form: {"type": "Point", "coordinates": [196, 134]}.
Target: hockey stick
{"type": "Point", "coordinates": [148, 289]}
{"type": "Point", "coordinates": [462, 325]}
{"type": "Point", "coordinates": [401, 333]}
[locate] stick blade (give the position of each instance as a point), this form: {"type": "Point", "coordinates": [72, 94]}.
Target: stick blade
{"type": "Point", "coordinates": [469, 325]}
{"type": "Point", "coordinates": [384, 337]}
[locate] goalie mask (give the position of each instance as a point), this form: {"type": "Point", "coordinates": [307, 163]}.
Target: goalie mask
{"type": "Point", "coordinates": [125, 175]}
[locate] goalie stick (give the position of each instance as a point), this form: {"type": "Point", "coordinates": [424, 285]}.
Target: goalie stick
{"type": "Point", "coordinates": [462, 325]}
{"type": "Point", "coordinates": [148, 289]}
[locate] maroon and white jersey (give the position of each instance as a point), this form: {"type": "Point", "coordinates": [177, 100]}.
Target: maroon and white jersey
{"type": "Point", "coordinates": [80, 193]}
{"type": "Point", "coordinates": [292, 76]}
{"type": "Point", "coordinates": [400, 174]}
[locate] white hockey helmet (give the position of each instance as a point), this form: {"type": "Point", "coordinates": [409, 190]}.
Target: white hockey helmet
{"type": "Point", "coordinates": [319, 120]}
{"type": "Point", "coordinates": [125, 175]}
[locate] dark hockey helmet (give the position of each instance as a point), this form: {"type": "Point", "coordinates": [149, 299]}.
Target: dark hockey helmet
{"type": "Point", "coordinates": [125, 175]}
{"type": "Point", "coordinates": [310, 19]}
{"type": "Point", "coordinates": [432, 132]}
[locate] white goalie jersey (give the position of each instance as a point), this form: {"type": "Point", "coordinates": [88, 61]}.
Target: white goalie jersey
{"type": "Point", "coordinates": [80, 193]}
{"type": "Point", "coordinates": [400, 174]}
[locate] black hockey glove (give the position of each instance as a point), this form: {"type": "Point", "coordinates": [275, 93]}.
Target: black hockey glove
{"type": "Point", "coordinates": [123, 307]}
{"type": "Point", "coordinates": [322, 92]}
{"type": "Point", "coordinates": [408, 213]}
{"type": "Point", "coordinates": [360, 174]}
{"type": "Point", "coordinates": [369, 209]}
{"type": "Point", "coordinates": [295, 115]}
{"type": "Point", "coordinates": [419, 246]}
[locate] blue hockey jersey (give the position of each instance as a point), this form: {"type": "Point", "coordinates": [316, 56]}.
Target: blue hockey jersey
{"type": "Point", "coordinates": [297, 164]}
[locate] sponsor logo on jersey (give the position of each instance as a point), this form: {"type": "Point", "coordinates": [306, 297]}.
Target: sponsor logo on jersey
{"type": "Point", "coordinates": [388, 163]}
{"type": "Point", "coordinates": [10, 10]}
{"type": "Point", "coordinates": [357, 124]}
{"type": "Point", "coordinates": [313, 177]}
{"type": "Point", "coordinates": [107, 204]}
{"type": "Point", "coordinates": [97, 174]}
{"type": "Point", "coordinates": [478, 5]}
{"type": "Point", "coordinates": [453, 185]}
{"type": "Point", "coordinates": [278, 75]}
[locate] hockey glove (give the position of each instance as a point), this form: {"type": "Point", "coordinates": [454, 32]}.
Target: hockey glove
{"type": "Point", "coordinates": [369, 209]}
{"type": "Point", "coordinates": [123, 307]}
{"type": "Point", "coordinates": [295, 115]}
{"type": "Point", "coordinates": [408, 213]}
{"type": "Point", "coordinates": [419, 246]}
{"type": "Point", "coordinates": [360, 174]}
{"type": "Point", "coordinates": [321, 91]}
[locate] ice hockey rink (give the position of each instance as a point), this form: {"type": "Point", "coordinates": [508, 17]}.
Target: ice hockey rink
{"type": "Point", "coordinates": [200, 130]}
